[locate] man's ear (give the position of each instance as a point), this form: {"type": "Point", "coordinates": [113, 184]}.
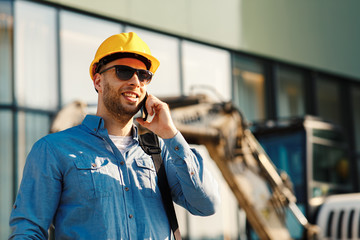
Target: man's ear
{"type": "Point", "coordinates": [97, 82]}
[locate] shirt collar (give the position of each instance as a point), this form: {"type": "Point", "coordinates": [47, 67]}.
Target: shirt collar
{"type": "Point", "coordinates": [96, 125]}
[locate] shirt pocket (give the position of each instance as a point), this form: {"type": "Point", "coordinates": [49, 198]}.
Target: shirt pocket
{"type": "Point", "coordinates": [146, 175]}
{"type": "Point", "coordinates": [98, 177]}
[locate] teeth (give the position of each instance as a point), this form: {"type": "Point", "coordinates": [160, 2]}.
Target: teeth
{"type": "Point", "coordinates": [130, 95]}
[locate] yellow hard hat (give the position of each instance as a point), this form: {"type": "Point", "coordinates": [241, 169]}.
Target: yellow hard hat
{"type": "Point", "coordinates": [127, 43]}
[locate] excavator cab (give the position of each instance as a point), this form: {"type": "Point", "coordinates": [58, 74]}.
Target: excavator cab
{"type": "Point", "coordinates": [313, 153]}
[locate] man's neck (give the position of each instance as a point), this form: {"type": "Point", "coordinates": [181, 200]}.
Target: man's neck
{"type": "Point", "coordinates": [117, 127]}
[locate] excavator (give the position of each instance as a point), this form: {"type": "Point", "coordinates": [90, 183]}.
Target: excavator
{"type": "Point", "coordinates": [264, 193]}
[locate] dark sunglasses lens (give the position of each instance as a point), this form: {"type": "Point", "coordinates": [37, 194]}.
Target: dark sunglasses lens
{"type": "Point", "coordinates": [144, 75]}
{"type": "Point", "coordinates": [124, 73]}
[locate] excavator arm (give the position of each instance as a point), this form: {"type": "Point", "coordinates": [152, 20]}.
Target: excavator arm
{"type": "Point", "coordinates": [260, 190]}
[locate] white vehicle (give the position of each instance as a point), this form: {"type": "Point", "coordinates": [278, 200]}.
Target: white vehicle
{"type": "Point", "coordinates": [339, 217]}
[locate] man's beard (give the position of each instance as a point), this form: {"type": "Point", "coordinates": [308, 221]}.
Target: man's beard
{"type": "Point", "coordinates": [115, 107]}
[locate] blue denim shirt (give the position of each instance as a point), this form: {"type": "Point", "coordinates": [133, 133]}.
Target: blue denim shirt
{"type": "Point", "coordinates": [79, 181]}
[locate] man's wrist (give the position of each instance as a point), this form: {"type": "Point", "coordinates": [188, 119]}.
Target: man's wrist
{"type": "Point", "coordinates": [169, 134]}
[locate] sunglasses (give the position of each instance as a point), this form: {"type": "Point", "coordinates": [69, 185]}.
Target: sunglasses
{"type": "Point", "coordinates": [125, 73]}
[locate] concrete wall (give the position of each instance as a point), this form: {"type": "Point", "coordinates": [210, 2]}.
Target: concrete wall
{"type": "Point", "coordinates": [321, 34]}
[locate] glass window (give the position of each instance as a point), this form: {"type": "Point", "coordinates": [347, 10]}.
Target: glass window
{"type": "Point", "coordinates": [35, 55]}
{"type": "Point", "coordinates": [328, 100]}
{"type": "Point", "coordinates": [249, 87]}
{"type": "Point", "coordinates": [206, 68]}
{"type": "Point", "coordinates": [290, 92]}
{"type": "Point", "coordinates": [287, 151]}
{"type": "Point", "coordinates": [6, 29]}
{"type": "Point", "coordinates": [166, 80]}
{"type": "Point", "coordinates": [356, 112]}
{"type": "Point", "coordinates": [80, 36]}
{"type": "Point", "coordinates": [6, 171]}
{"type": "Point", "coordinates": [330, 161]}
{"type": "Point", "coordinates": [31, 127]}
{"type": "Point", "coordinates": [331, 164]}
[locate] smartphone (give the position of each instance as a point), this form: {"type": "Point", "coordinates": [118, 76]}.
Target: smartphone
{"type": "Point", "coordinates": [144, 112]}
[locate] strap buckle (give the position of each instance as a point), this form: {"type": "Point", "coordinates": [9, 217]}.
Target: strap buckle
{"type": "Point", "coordinates": [153, 150]}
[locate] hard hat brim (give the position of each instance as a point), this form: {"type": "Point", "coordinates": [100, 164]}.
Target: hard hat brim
{"type": "Point", "coordinates": [153, 67]}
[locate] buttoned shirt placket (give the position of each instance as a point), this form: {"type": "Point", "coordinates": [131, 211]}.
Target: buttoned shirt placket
{"type": "Point", "coordinates": [124, 184]}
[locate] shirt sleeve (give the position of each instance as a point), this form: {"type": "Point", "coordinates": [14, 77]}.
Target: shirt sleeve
{"type": "Point", "coordinates": [192, 185]}
{"type": "Point", "coordinates": [38, 195]}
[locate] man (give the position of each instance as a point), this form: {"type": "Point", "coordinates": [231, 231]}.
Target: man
{"type": "Point", "coordinates": [94, 181]}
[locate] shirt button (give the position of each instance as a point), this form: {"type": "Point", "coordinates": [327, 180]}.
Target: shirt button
{"type": "Point", "coordinates": [93, 164]}
{"type": "Point", "coordinates": [126, 189]}
{"type": "Point", "coordinates": [122, 163]}
{"type": "Point", "coordinates": [131, 216]}
{"type": "Point", "coordinates": [176, 148]}
{"type": "Point", "coordinates": [14, 206]}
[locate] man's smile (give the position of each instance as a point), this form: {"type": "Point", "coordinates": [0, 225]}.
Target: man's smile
{"type": "Point", "coordinates": [131, 96]}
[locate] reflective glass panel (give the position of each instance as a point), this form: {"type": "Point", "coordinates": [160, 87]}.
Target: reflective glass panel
{"type": "Point", "coordinates": [6, 30]}
{"type": "Point", "coordinates": [249, 87]}
{"type": "Point", "coordinates": [80, 36]}
{"type": "Point", "coordinates": [356, 112]}
{"type": "Point", "coordinates": [31, 127]}
{"type": "Point", "coordinates": [328, 100]}
{"type": "Point", "coordinates": [330, 164]}
{"type": "Point", "coordinates": [35, 55]}
{"type": "Point", "coordinates": [206, 70]}
{"type": "Point", "coordinates": [6, 171]}
{"type": "Point", "coordinates": [166, 81]}
{"type": "Point", "coordinates": [287, 151]}
{"type": "Point", "coordinates": [290, 92]}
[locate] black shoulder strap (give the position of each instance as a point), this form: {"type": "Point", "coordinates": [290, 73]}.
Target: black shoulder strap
{"type": "Point", "coordinates": [149, 142]}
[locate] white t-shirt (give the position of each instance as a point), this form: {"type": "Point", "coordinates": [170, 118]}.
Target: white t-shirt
{"type": "Point", "coordinates": [122, 142]}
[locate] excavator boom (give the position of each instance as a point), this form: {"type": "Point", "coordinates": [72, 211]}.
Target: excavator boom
{"type": "Point", "coordinates": [258, 187]}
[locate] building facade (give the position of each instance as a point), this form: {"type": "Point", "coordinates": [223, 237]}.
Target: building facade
{"type": "Point", "coordinates": [47, 46]}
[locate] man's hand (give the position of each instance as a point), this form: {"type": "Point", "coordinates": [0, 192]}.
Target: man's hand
{"type": "Point", "coordinates": [162, 124]}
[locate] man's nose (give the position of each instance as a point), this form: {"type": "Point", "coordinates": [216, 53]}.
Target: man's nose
{"type": "Point", "coordinates": [134, 80]}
